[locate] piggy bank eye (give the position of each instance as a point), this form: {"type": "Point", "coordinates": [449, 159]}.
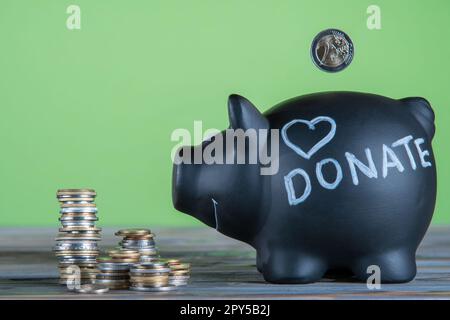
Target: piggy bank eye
{"type": "Point", "coordinates": [208, 140]}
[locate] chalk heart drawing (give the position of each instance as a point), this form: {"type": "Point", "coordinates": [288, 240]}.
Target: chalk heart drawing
{"type": "Point", "coordinates": [312, 126]}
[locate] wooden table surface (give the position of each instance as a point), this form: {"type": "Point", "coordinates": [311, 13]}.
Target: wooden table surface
{"type": "Point", "coordinates": [222, 268]}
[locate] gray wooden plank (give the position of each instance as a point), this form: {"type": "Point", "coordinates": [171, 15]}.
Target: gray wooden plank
{"type": "Point", "coordinates": [222, 268]}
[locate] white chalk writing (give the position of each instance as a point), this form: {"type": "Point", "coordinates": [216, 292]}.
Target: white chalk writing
{"type": "Point", "coordinates": [390, 160]}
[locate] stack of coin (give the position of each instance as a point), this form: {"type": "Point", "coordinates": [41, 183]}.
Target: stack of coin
{"type": "Point", "coordinates": [141, 240]}
{"type": "Point", "coordinates": [113, 275]}
{"type": "Point", "coordinates": [150, 276]}
{"type": "Point", "coordinates": [179, 272]}
{"type": "Point", "coordinates": [76, 244]}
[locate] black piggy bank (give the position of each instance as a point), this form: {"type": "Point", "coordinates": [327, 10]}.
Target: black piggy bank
{"type": "Point", "coordinates": [341, 181]}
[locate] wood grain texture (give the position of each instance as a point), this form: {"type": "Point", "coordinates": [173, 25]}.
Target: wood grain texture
{"type": "Point", "coordinates": [222, 268]}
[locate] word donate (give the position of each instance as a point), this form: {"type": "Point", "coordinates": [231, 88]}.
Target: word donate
{"type": "Point", "coordinates": [357, 167]}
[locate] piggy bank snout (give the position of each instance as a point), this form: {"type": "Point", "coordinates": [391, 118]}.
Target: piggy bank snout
{"type": "Point", "coordinates": [180, 190]}
{"type": "Point", "coordinates": [187, 192]}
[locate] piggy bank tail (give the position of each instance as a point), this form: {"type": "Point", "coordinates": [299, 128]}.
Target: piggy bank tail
{"type": "Point", "coordinates": [422, 111]}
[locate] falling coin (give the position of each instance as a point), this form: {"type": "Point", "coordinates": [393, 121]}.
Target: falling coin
{"type": "Point", "coordinates": [332, 50]}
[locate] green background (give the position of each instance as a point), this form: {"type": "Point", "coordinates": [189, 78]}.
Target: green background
{"type": "Point", "coordinates": [96, 107]}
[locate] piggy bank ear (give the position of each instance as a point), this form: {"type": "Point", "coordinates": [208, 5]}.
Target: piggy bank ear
{"type": "Point", "coordinates": [244, 115]}
{"type": "Point", "coordinates": [421, 109]}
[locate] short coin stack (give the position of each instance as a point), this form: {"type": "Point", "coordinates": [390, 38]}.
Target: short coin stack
{"type": "Point", "coordinates": [113, 275]}
{"type": "Point", "coordinates": [76, 244]}
{"type": "Point", "coordinates": [150, 276]}
{"type": "Point", "coordinates": [179, 272]}
{"type": "Point", "coordinates": [141, 240]}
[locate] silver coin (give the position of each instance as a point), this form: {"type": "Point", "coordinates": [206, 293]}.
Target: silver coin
{"type": "Point", "coordinates": [144, 244]}
{"type": "Point", "coordinates": [113, 269]}
{"type": "Point", "coordinates": [137, 242]}
{"type": "Point", "coordinates": [71, 282]}
{"type": "Point", "coordinates": [113, 273]}
{"type": "Point", "coordinates": [64, 260]}
{"type": "Point", "coordinates": [332, 50]}
{"type": "Point", "coordinates": [112, 281]}
{"type": "Point", "coordinates": [138, 247]}
{"type": "Point", "coordinates": [80, 201]}
{"type": "Point", "coordinates": [82, 273]}
{"type": "Point", "coordinates": [92, 288]}
{"type": "Point", "coordinates": [73, 200]}
{"type": "Point", "coordinates": [178, 283]}
{"type": "Point", "coordinates": [75, 248]}
{"type": "Point", "coordinates": [81, 257]}
{"type": "Point", "coordinates": [178, 277]}
{"type": "Point", "coordinates": [151, 251]}
{"type": "Point", "coordinates": [157, 284]}
{"type": "Point", "coordinates": [78, 251]}
{"type": "Point", "coordinates": [86, 224]}
{"type": "Point", "coordinates": [78, 218]}
{"type": "Point", "coordinates": [148, 258]}
{"type": "Point", "coordinates": [73, 196]}
{"type": "Point", "coordinates": [75, 224]}
{"type": "Point", "coordinates": [113, 276]}
{"type": "Point", "coordinates": [76, 262]}
{"type": "Point", "coordinates": [82, 232]}
{"type": "Point", "coordinates": [87, 237]}
{"type": "Point", "coordinates": [152, 289]}
{"type": "Point", "coordinates": [155, 264]}
{"type": "Point", "coordinates": [78, 209]}
{"type": "Point", "coordinates": [75, 242]}
{"type": "Point", "coordinates": [88, 216]}
{"type": "Point", "coordinates": [113, 266]}
{"type": "Point", "coordinates": [149, 271]}
{"type": "Point", "coordinates": [78, 222]}
{"type": "Point", "coordinates": [78, 242]}
{"type": "Point", "coordinates": [80, 197]}
{"type": "Point", "coordinates": [81, 223]}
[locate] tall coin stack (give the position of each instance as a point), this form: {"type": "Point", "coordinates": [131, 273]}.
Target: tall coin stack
{"type": "Point", "coordinates": [141, 240]}
{"type": "Point", "coordinates": [150, 276]}
{"type": "Point", "coordinates": [76, 244]}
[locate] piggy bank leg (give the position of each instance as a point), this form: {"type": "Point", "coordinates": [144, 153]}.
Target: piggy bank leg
{"type": "Point", "coordinates": [292, 267]}
{"type": "Point", "coordinates": [394, 267]}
